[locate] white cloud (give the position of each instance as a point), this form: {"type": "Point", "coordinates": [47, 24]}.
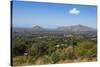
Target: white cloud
{"type": "Point", "coordinates": [74, 11]}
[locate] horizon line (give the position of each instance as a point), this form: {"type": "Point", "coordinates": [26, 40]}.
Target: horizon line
{"type": "Point", "coordinates": [53, 27]}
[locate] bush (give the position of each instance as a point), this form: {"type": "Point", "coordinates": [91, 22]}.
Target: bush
{"type": "Point", "coordinates": [38, 49]}
{"type": "Point", "coordinates": [46, 59]}
{"type": "Point", "coordinates": [55, 56]}
{"type": "Point", "coordinates": [70, 53]}
{"type": "Point", "coordinates": [19, 60]}
{"type": "Point", "coordinates": [86, 49]}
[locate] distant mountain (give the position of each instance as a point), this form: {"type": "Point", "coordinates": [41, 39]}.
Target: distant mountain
{"type": "Point", "coordinates": [37, 28]}
{"type": "Point", "coordinates": [76, 28]}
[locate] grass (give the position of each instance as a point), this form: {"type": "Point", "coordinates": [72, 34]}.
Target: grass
{"type": "Point", "coordinates": [22, 60]}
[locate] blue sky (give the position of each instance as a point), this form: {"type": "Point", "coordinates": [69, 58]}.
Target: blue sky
{"type": "Point", "coordinates": [52, 15]}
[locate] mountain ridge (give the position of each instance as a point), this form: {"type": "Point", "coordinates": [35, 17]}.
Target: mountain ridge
{"type": "Point", "coordinates": [72, 28]}
{"type": "Point", "coordinates": [76, 28]}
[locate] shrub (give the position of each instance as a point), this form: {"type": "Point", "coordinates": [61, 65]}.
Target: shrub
{"type": "Point", "coordinates": [55, 56]}
{"type": "Point", "coordinates": [46, 59]}
{"type": "Point", "coordinates": [86, 49]}
{"type": "Point", "coordinates": [70, 53]}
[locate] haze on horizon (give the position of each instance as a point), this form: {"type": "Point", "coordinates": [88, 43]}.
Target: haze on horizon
{"type": "Point", "coordinates": [52, 15]}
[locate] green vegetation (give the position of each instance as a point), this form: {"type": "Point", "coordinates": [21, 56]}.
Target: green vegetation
{"type": "Point", "coordinates": [50, 50]}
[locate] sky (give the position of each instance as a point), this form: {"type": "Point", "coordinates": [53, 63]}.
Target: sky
{"type": "Point", "coordinates": [52, 15]}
